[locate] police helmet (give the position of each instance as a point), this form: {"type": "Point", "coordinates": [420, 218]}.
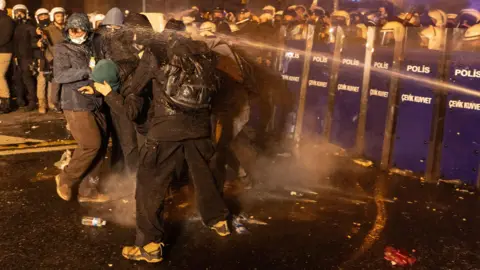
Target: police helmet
{"type": "Point", "coordinates": [438, 17]}
{"type": "Point", "coordinates": [41, 11]}
{"type": "Point", "coordinates": [19, 7]}
{"type": "Point", "coordinates": [340, 18]}
{"type": "Point", "coordinates": [432, 37]}
{"type": "Point", "coordinates": [472, 33]}
{"type": "Point", "coordinates": [56, 10]}
{"type": "Point", "coordinates": [207, 29]}
{"type": "Point", "coordinates": [392, 32]}
{"type": "Point", "coordinates": [269, 9]}
{"type": "Point", "coordinates": [318, 11]}
{"type": "Point", "coordinates": [467, 18]}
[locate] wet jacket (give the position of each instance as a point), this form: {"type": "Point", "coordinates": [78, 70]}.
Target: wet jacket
{"type": "Point", "coordinates": [55, 36]}
{"type": "Point", "coordinates": [168, 122]}
{"type": "Point", "coordinates": [25, 42]}
{"type": "Point", "coordinates": [134, 98]}
{"type": "Point", "coordinates": [71, 69]}
{"type": "Point", "coordinates": [7, 27]}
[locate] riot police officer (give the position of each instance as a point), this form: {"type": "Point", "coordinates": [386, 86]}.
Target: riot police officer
{"type": "Point", "coordinates": [42, 18]}
{"type": "Point", "coordinates": [391, 33]}
{"type": "Point", "coordinates": [25, 35]}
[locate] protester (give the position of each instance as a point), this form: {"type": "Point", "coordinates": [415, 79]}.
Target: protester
{"type": "Point", "coordinates": [6, 49]}
{"type": "Point", "coordinates": [84, 113]}
{"type": "Point", "coordinates": [179, 133]}
{"type": "Point", "coordinates": [105, 41]}
{"type": "Point", "coordinates": [132, 119]}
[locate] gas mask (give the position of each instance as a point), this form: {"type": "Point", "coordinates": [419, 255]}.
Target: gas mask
{"type": "Point", "coordinates": [79, 40]}
{"type": "Point", "coordinates": [43, 23]}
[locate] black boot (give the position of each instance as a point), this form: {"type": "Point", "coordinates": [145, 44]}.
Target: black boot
{"type": "Point", "coordinates": [30, 107]}
{"type": "Point", "coordinates": [4, 105]}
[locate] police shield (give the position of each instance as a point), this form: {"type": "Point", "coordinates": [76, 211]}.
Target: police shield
{"type": "Point", "coordinates": [292, 74]}
{"type": "Point", "coordinates": [316, 104]}
{"type": "Point", "coordinates": [413, 131]}
{"type": "Point", "coordinates": [348, 92]}
{"type": "Point", "coordinates": [378, 95]}
{"type": "Point", "coordinates": [460, 157]}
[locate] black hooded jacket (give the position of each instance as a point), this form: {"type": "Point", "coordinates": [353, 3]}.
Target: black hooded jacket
{"type": "Point", "coordinates": [25, 41]}
{"type": "Point", "coordinates": [6, 34]}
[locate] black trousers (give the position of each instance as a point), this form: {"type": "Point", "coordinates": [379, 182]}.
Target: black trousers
{"type": "Point", "coordinates": [158, 163]}
{"type": "Point", "coordinates": [124, 143]}
{"type": "Point", "coordinates": [25, 86]}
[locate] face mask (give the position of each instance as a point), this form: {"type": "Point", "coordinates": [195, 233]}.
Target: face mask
{"type": "Point", "coordinates": [79, 40]}
{"type": "Point", "coordinates": [43, 23]}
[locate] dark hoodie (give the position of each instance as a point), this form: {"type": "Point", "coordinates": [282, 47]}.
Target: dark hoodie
{"type": "Point", "coordinates": [6, 35]}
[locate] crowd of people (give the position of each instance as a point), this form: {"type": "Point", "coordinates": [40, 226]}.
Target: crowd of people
{"type": "Point", "coordinates": [172, 102]}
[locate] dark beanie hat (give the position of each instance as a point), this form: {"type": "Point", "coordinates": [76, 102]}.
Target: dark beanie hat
{"type": "Point", "coordinates": [107, 71]}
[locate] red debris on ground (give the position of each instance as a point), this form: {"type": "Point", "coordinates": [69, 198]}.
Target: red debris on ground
{"type": "Point", "coordinates": [398, 257]}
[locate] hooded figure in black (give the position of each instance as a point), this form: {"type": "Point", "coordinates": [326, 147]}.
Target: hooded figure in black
{"type": "Point", "coordinates": [25, 52]}
{"type": "Point", "coordinates": [179, 133]}
{"type": "Point", "coordinates": [83, 109]}
{"type": "Point", "coordinates": [128, 109]}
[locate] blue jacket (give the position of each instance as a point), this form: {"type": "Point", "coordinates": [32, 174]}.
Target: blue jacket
{"type": "Point", "coordinates": [71, 69]}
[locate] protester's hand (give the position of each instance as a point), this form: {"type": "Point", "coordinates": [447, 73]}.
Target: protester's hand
{"type": "Point", "coordinates": [103, 88]}
{"type": "Point", "coordinates": [88, 90]}
{"type": "Point", "coordinates": [39, 43]}
{"type": "Point", "coordinates": [39, 31]}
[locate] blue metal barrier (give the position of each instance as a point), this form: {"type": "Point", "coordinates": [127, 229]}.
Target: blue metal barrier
{"type": "Point", "coordinates": [348, 94]}
{"type": "Point", "coordinates": [378, 94]}
{"type": "Point", "coordinates": [415, 110]}
{"type": "Point", "coordinates": [461, 138]}
{"type": "Point", "coordinates": [316, 104]}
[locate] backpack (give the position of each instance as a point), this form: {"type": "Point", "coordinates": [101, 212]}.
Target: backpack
{"type": "Point", "coordinates": [191, 76]}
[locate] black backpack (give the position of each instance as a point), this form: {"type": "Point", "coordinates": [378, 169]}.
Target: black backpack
{"type": "Point", "coordinates": [191, 75]}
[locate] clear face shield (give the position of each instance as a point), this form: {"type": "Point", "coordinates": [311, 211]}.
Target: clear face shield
{"type": "Point", "coordinates": [431, 38]}
{"type": "Point", "coordinates": [387, 38]}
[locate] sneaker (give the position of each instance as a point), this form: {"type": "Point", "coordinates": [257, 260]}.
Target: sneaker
{"type": "Point", "coordinates": [151, 253]}
{"type": "Point", "coordinates": [221, 228]}
{"type": "Point", "coordinates": [97, 198]}
{"type": "Point", "coordinates": [63, 191]}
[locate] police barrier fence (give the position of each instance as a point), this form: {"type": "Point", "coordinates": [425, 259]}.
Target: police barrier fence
{"type": "Point", "coordinates": [390, 100]}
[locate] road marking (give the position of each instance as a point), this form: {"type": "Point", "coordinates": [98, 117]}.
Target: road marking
{"type": "Point", "coordinates": [8, 140]}
{"type": "Point", "coordinates": [40, 147]}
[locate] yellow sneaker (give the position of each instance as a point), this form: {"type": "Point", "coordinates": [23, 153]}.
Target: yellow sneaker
{"type": "Point", "coordinates": [221, 228]}
{"type": "Point", "coordinates": [151, 253]}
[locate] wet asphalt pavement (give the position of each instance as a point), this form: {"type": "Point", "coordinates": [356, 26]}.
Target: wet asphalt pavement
{"type": "Point", "coordinates": [342, 217]}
